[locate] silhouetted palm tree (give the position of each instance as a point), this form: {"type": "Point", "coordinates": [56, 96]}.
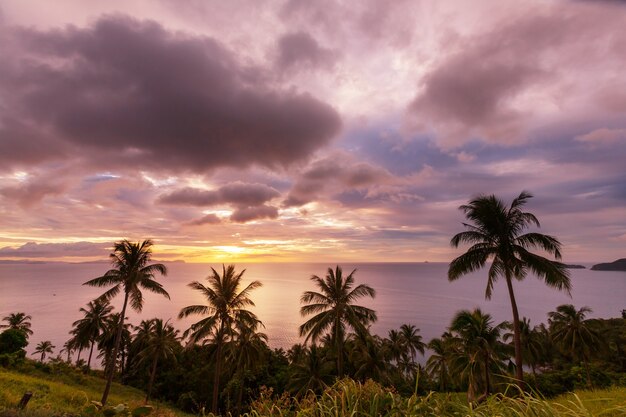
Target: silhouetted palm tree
{"type": "Point", "coordinates": [161, 344]}
{"type": "Point", "coordinates": [18, 321]}
{"type": "Point", "coordinates": [107, 339]}
{"type": "Point", "coordinates": [225, 310]}
{"type": "Point", "coordinates": [572, 333]}
{"type": "Point", "coordinates": [311, 373]}
{"type": "Point", "coordinates": [412, 340]}
{"type": "Point", "coordinates": [532, 343]}
{"type": "Point", "coordinates": [480, 349]}
{"type": "Point", "coordinates": [132, 272]}
{"type": "Point", "coordinates": [44, 347]}
{"type": "Point", "coordinates": [91, 326]}
{"type": "Point", "coordinates": [439, 362]}
{"type": "Point", "coordinates": [333, 310]}
{"type": "Point", "coordinates": [495, 233]}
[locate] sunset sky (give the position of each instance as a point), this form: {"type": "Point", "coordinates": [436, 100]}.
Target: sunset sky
{"type": "Point", "coordinates": [300, 130]}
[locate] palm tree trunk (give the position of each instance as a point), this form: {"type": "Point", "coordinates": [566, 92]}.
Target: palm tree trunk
{"type": "Point", "coordinates": [152, 375]}
{"type": "Point", "coordinates": [339, 344]}
{"type": "Point", "coordinates": [118, 338]}
{"type": "Point", "coordinates": [519, 366]}
{"type": "Point", "coordinates": [486, 374]}
{"type": "Point", "coordinates": [43, 355]}
{"type": "Point", "coordinates": [80, 350]}
{"type": "Point", "coordinates": [90, 353]}
{"type": "Point", "coordinates": [216, 378]}
{"type": "Point", "coordinates": [586, 363]}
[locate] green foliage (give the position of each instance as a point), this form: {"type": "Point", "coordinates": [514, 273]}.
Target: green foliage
{"type": "Point", "coordinates": [13, 341]}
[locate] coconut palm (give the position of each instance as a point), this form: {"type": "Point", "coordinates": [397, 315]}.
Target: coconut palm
{"type": "Point", "coordinates": [480, 349]}
{"type": "Point", "coordinates": [312, 372]}
{"type": "Point", "coordinates": [18, 321]}
{"type": "Point", "coordinates": [334, 310]}
{"type": "Point", "coordinates": [532, 343]}
{"type": "Point", "coordinates": [44, 347]}
{"type": "Point", "coordinates": [161, 344]}
{"type": "Point", "coordinates": [444, 350]}
{"type": "Point", "coordinates": [412, 340]}
{"type": "Point", "coordinates": [572, 333]}
{"type": "Point", "coordinates": [91, 326]}
{"type": "Point", "coordinates": [131, 274]}
{"type": "Point", "coordinates": [106, 343]}
{"type": "Point", "coordinates": [495, 232]}
{"type": "Point", "coordinates": [225, 309]}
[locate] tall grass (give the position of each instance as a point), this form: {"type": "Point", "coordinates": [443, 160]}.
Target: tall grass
{"type": "Point", "coordinates": [348, 398]}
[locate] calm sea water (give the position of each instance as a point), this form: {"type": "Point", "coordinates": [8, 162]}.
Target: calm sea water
{"type": "Point", "coordinates": [415, 293]}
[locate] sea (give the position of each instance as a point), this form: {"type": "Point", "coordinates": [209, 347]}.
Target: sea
{"type": "Point", "coordinates": [406, 293]}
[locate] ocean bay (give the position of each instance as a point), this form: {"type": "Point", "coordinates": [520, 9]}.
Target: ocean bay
{"type": "Point", "coordinates": [414, 293]}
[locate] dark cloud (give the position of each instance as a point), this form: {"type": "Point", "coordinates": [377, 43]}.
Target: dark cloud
{"type": "Point", "coordinates": [208, 219]}
{"type": "Point", "coordinates": [49, 250]}
{"type": "Point", "coordinates": [300, 50]}
{"type": "Point", "coordinates": [237, 193]}
{"type": "Point", "coordinates": [247, 214]}
{"type": "Point", "coordinates": [132, 92]}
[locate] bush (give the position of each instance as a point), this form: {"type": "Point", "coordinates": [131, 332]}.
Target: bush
{"type": "Point", "coordinates": [12, 341]}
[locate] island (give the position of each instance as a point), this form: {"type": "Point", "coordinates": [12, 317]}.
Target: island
{"type": "Point", "coordinates": [619, 265]}
{"type": "Point", "coordinates": [575, 266]}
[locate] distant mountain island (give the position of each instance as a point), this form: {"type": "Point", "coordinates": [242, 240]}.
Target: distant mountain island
{"type": "Point", "coordinates": [575, 266]}
{"type": "Point", "coordinates": [619, 265]}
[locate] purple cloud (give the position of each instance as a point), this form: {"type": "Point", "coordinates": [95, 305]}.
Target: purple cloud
{"type": "Point", "coordinates": [247, 214]}
{"type": "Point", "coordinates": [237, 193]}
{"type": "Point", "coordinates": [300, 50]}
{"type": "Point", "coordinates": [132, 92]}
{"type": "Point", "coordinates": [50, 250]}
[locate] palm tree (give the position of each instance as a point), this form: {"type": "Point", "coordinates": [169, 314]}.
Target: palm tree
{"type": "Point", "coordinates": [161, 344]}
{"type": "Point", "coordinates": [532, 343]}
{"type": "Point", "coordinates": [91, 326]}
{"type": "Point", "coordinates": [18, 321]}
{"type": "Point", "coordinates": [131, 273]}
{"type": "Point", "coordinates": [480, 348]}
{"type": "Point", "coordinates": [68, 349]}
{"type": "Point", "coordinates": [333, 310]}
{"type": "Point", "coordinates": [438, 364]}
{"type": "Point", "coordinates": [43, 348]}
{"type": "Point", "coordinates": [225, 309]}
{"type": "Point", "coordinates": [573, 334]}
{"type": "Point", "coordinates": [412, 340]}
{"type": "Point", "coordinates": [312, 372]}
{"type": "Point", "coordinates": [107, 339]}
{"type": "Point", "coordinates": [495, 233]}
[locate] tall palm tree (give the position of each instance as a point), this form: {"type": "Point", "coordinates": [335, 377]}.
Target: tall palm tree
{"type": "Point", "coordinates": [161, 344]}
{"type": "Point", "coordinates": [131, 273]}
{"type": "Point", "coordinates": [44, 347]}
{"type": "Point", "coordinates": [573, 334]}
{"type": "Point", "coordinates": [495, 232]}
{"type": "Point", "coordinates": [334, 310]}
{"type": "Point", "coordinates": [225, 309]}
{"type": "Point", "coordinates": [91, 326]}
{"type": "Point", "coordinates": [480, 349]}
{"type": "Point", "coordinates": [107, 339]}
{"type": "Point", "coordinates": [18, 321]}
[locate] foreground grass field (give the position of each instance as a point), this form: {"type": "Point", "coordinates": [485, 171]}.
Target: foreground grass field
{"type": "Point", "coordinates": [67, 393]}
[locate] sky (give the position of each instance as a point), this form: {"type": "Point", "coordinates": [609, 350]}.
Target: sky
{"type": "Point", "coordinates": [325, 131]}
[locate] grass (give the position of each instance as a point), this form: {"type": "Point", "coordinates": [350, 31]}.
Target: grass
{"type": "Point", "coordinates": [67, 392]}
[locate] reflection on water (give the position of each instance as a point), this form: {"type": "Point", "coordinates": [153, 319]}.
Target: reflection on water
{"type": "Point", "coordinates": [415, 293]}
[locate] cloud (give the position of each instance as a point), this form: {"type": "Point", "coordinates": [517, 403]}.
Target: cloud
{"type": "Point", "coordinates": [247, 214]}
{"type": "Point", "coordinates": [603, 136]}
{"type": "Point", "coordinates": [55, 250]}
{"type": "Point", "coordinates": [129, 92]}
{"type": "Point", "coordinates": [237, 193]}
{"type": "Point", "coordinates": [301, 50]}
{"type": "Point", "coordinates": [31, 192]}
{"type": "Point", "coordinates": [207, 219]}
{"type": "Point", "coordinates": [496, 85]}
{"type": "Point", "coordinates": [334, 173]}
